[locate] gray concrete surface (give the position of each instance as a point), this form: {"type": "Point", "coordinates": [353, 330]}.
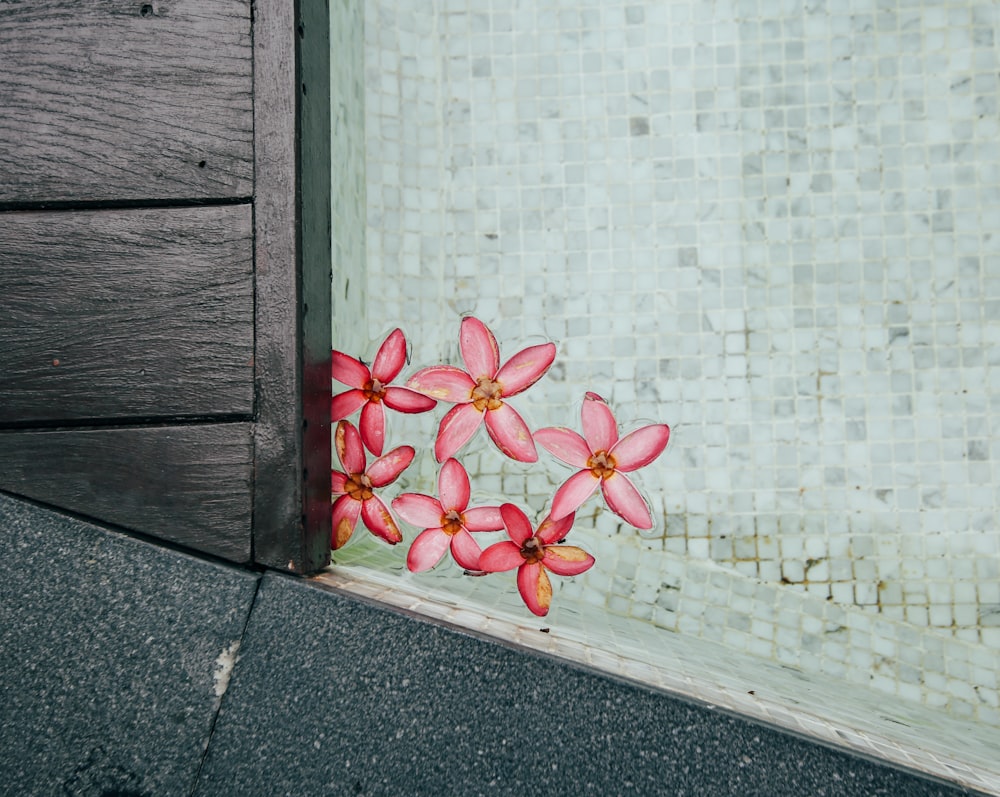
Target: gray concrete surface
{"type": "Point", "coordinates": [114, 654]}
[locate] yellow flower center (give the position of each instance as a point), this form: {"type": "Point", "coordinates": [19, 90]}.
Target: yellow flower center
{"type": "Point", "coordinates": [533, 551]}
{"type": "Point", "coordinates": [452, 522]}
{"type": "Point", "coordinates": [374, 390]}
{"type": "Point", "coordinates": [602, 464]}
{"type": "Point", "coordinates": [359, 487]}
{"type": "Point", "coordinates": [487, 394]}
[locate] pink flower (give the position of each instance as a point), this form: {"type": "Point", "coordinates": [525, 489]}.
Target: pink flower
{"type": "Point", "coordinates": [446, 521]}
{"type": "Point", "coordinates": [533, 553]}
{"type": "Point", "coordinates": [356, 486]}
{"type": "Point", "coordinates": [604, 460]}
{"type": "Point", "coordinates": [371, 389]}
{"type": "Point", "coordinates": [479, 393]}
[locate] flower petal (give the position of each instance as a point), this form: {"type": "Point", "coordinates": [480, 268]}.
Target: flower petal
{"type": "Point", "coordinates": [345, 517]}
{"type": "Point", "coordinates": [457, 426]}
{"type": "Point", "coordinates": [536, 589]}
{"type": "Point", "coordinates": [525, 368]}
{"type": "Point", "coordinates": [550, 531]}
{"type": "Point", "coordinates": [403, 399]}
{"type": "Point", "coordinates": [443, 383]}
{"type": "Point", "coordinates": [503, 556]}
{"type": "Point", "coordinates": [466, 550]}
{"type": "Point", "coordinates": [351, 372]}
{"type": "Point", "coordinates": [567, 560]}
{"type": "Point", "coordinates": [511, 434]}
{"type": "Point", "coordinates": [625, 501]}
{"type": "Point", "coordinates": [422, 511]}
{"type": "Point", "coordinates": [564, 444]}
{"type": "Point", "coordinates": [573, 492]}
{"type": "Point", "coordinates": [344, 404]}
{"type": "Point", "coordinates": [453, 486]}
{"type": "Point", "coordinates": [599, 425]}
{"type": "Point", "coordinates": [372, 425]}
{"type": "Point", "coordinates": [427, 549]}
{"type": "Point", "coordinates": [350, 451]}
{"type": "Point", "coordinates": [483, 518]}
{"type": "Point", "coordinates": [386, 469]}
{"type": "Point", "coordinates": [479, 348]}
{"type": "Point", "coordinates": [380, 521]}
{"type": "Point", "coordinates": [391, 357]}
{"type": "Point", "coordinates": [517, 524]}
{"type": "Point", "coordinates": [640, 447]}
{"type": "Point", "coordinates": [338, 481]}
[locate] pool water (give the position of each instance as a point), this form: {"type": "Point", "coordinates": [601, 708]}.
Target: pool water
{"type": "Point", "coordinates": [769, 224]}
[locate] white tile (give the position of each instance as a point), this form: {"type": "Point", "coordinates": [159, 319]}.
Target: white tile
{"type": "Point", "coordinates": [823, 354]}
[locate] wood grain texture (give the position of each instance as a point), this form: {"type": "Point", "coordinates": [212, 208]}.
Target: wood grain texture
{"type": "Point", "coordinates": [126, 313]}
{"type": "Point", "coordinates": [188, 484]}
{"type": "Point", "coordinates": [292, 492]}
{"type": "Point", "coordinates": [125, 99]}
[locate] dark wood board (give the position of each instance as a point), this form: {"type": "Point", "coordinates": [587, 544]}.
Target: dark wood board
{"type": "Point", "coordinates": [189, 484]}
{"type": "Point", "coordinates": [316, 256]}
{"type": "Point", "coordinates": [292, 111]}
{"type": "Point", "coordinates": [138, 313]}
{"type": "Point", "coordinates": [125, 100]}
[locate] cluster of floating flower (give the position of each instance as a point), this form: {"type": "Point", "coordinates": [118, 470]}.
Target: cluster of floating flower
{"type": "Point", "coordinates": [479, 393]}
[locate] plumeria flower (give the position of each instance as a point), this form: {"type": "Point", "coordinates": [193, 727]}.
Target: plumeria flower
{"type": "Point", "coordinates": [534, 553]}
{"type": "Point", "coordinates": [356, 486]}
{"type": "Point", "coordinates": [604, 460]}
{"type": "Point", "coordinates": [371, 389]}
{"type": "Point", "coordinates": [446, 521]}
{"type": "Point", "coordinates": [479, 392]}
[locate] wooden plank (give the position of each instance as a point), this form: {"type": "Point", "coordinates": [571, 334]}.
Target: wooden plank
{"type": "Point", "coordinates": [189, 484]}
{"type": "Point", "coordinates": [124, 99]}
{"type": "Point", "coordinates": [292, 492]}
{"type": "Point", "coordinates": [315, 212]}
{"type": "Point", "coordinates": [126, 313]}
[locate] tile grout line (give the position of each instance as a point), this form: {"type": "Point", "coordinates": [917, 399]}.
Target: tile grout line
{"type": "Point", "coordinates": [218, 709]}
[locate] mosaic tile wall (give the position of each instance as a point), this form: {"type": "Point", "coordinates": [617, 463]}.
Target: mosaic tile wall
{"type": "Point", "coordinates": [347, 81]}
{"type": "Point", "coordinates": [771, 224]}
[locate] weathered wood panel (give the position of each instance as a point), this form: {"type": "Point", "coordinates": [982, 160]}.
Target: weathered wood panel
{"type": "Point", "coordinates": [292, 107]}
{"type": "Point", "coordinates": [189, 484]}
{"type": "Point", "coordinates": [125, 99]}
{"type": "Point", "coordinates": [126, 313]}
